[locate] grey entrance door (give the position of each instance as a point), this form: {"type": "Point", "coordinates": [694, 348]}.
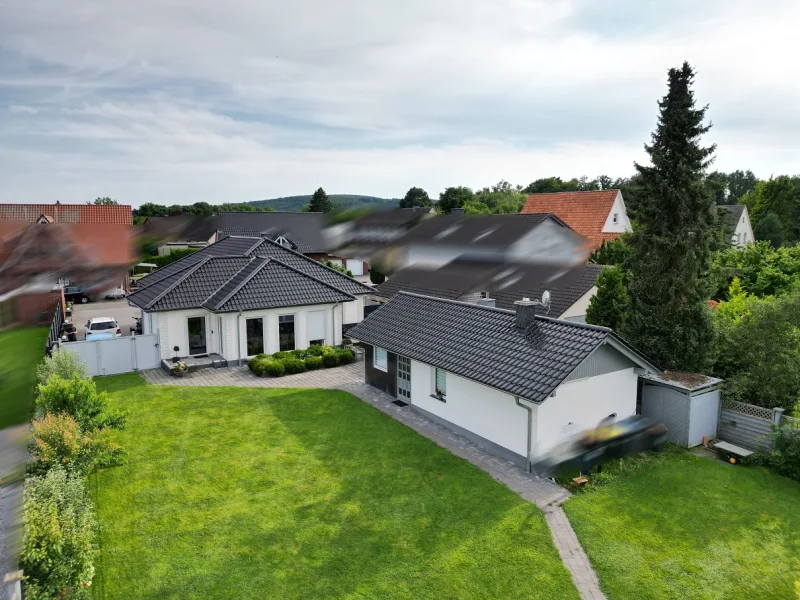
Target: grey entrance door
{"type": "Point", "coordinates": [404, 377]}
{"type": "Point", "coordinates": [197, 335]}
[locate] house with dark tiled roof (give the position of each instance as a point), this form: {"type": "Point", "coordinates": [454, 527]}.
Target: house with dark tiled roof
{"type": "Point", "coordinates": [599, 215]}
{"type": "Point", "coordinates": [570, 288]}
{"type": "Point", "coordinates": [512, 381]}
{"type": "Point", "coordinates": [244, 296]}
{"type": "Point", "coordinates": [735, 223]}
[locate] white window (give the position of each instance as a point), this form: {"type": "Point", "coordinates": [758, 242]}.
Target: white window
{"type": "Point", "coordinates": [356, 267]}
{"type": "Point", "coordinates": [440, 384]}
{"type": "Point", "coordinates": [381, 359]}
{"type": "Point", "coordinates": [316, 327]}
{"type": "Point", "coordinates": [615, 218]}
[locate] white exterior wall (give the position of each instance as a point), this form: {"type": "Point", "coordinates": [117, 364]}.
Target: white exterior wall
{"type": "Point", "coordinates": [577, 312]}
{"type": "Point", "coordinates": [584, 403]}
{"type": "Point", "coordinates": [743, 232]}
{"type": "Point", "coordinates": [354, 311]}
{"type": "Point", "coordinates": [482, 410]}
{"type": "Point", "coordinates": [173, 329]}
{"type": "Point", "coordinates": [623, 223]}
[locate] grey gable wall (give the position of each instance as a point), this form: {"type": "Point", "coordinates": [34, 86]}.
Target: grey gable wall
{"type": "Point", "coordinates": [605, 359]}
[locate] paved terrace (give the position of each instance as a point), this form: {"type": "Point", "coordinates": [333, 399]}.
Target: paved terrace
{"type": "Point", "coordinates": [546, 495]}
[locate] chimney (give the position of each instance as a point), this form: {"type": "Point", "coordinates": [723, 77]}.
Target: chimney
{"type": "Point", "coordinates": [526, 315]}
{"type": "Point", "coordinates": [456, 211]}
{"type": "Point", "coordinates": [486, 302]}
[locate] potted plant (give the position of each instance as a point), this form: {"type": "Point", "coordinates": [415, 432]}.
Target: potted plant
{"type": "Point", "coordinates": [176, 349]}
{"type": "Point", "coordinates": [179, 369]}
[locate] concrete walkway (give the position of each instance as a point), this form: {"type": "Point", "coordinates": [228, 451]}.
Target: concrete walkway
{"type": "Point", "coordinates": [543, 493]}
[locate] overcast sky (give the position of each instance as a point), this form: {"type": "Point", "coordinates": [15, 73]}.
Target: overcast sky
{"type": "Point", "coordinates": [175, 101]}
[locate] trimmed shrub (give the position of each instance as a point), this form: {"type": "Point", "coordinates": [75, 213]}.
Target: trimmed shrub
{"type": "Point", "coordinates": [273, 368]}
{"type": "Point", "coordinates": [64, 363]}
{"type": "Point", "coordinates": [313, 362]}
{"type": "Point", "coordinates": [316, 350]}
{"type": "Point", "coordinates": [261, 356]}
{"type": "Point", "coordinates": [57, 441]}
{"type": "Point", "coordinates": [79, 399]}
{"type": "Point", "coordinates": [256, 365]}
{"type": "Point", "coordinates": [330, 360]}
{"type": "Point", "coordinates": [283, 355]}
{"type": "Point", "coordinates": [293, 365]}
{"type": "Point", "coordinates": [328, 350]}
{"type": "Point", "coordinates": [345, 356]}
{"type": "Point", "coordinates": [60, 528]}
{"type": "Point", "coordinates": [301, 354]}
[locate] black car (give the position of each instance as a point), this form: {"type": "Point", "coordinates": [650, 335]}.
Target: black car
{"type": "Point", "coordinates": [73, 293]}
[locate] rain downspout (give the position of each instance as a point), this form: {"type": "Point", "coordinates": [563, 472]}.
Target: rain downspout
{"type": "Point", "coordinates": [530, 421]}
{"type": "Point", "coordinates": [333, 341]}
{"type": "Point", "coordinates": [239, 337]}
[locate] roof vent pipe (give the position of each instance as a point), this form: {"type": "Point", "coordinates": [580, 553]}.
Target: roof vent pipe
{"type": "Point", "coordinates": [526, 313]}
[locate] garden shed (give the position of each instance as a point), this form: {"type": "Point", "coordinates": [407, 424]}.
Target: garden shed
{"type": "Point", "coordinates": [687, 403]}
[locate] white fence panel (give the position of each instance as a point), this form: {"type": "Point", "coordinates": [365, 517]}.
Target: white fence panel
{"type": "Point", "coordinates": [118, 355]}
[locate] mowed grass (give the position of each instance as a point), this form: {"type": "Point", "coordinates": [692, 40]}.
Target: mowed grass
{"type": "Point", "coordinates": [256, 493]}
{"type": "Point", "coordinates": [680, 526]}
{"type": "Point", "coordinates": [21, 350]}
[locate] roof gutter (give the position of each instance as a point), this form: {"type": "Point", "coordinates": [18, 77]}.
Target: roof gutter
{"type": "Point", "coordinates": [530, 432]}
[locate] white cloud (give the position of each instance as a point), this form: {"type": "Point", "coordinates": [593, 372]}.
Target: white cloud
{"type": "Point", "coordinates": [185, 101]}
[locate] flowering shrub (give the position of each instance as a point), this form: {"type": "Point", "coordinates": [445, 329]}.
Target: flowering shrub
{"type": "Point", "coordinates": [60, 529]}
{"type": "Point", "coordinates": [57, 441]}
{"type": "Point", "coordinates": [180, 367]}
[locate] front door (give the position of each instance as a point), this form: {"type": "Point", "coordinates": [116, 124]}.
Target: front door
{"type": "Point", "coordinates": [403, 377]}
{"type": "Point", "coordinates": [197, 335]}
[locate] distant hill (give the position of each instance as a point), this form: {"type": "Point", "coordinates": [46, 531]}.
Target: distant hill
{"type": "Point", "coordinates": [295, 203]}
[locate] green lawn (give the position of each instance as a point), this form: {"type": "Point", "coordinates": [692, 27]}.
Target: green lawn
{"type": "Point", "coordinates": [680, 526]}
{"type": "Point", "coordinates": [256, 493]}
{"type": "Point", "coordinates": [21, 350]}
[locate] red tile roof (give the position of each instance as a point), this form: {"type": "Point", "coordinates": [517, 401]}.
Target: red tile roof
{"type": "Point", "coordinates": [69, 213]}
{"type": "Point", "coordinates": [585, 212]}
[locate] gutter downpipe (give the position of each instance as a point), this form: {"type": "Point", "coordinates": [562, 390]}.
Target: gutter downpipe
{"type": "Point", "coordinates": [239, 337]}
{"type": "Point", "coordinates": [530, 419]}
{"type": "Point", "coordinates": [333, 310]}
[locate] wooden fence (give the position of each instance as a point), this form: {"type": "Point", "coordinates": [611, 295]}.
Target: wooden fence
{"type": "Point", "coordinates": [749, 426]}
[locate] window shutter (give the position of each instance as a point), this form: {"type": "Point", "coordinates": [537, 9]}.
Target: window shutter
{"type": "Point", "coordinates": [316, 325]}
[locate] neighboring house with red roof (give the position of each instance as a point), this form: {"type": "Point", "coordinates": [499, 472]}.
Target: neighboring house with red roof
{"type": "Point", "coordinates": [115, 214]}
{"type": "Point", "coordinates": [599, 215]}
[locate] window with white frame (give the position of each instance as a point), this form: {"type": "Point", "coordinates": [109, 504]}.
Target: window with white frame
{"type": "Point", "coordinates": [440, 384]}
{"type": "Point", "coordinates": [286, 333]}
{"type": "Point", "coordinates": [254, 328]}
{"type": "Point", "coordinates": [381, 359]}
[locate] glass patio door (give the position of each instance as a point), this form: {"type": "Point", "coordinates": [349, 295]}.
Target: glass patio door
{"type": "Point", "coordinates": [197, 335]}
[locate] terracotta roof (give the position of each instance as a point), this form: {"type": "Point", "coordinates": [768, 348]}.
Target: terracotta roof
{"type": "Point", "coordinates": [585, 212]}
{"type": "Point", "coordinates": [69, 213]}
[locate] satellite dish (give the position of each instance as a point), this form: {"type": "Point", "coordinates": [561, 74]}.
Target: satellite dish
{"type": "Point", "coordinates": [546, 298]}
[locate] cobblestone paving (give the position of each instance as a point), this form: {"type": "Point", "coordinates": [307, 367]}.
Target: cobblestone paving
{"type": "Point", "coordinates": [546, 495]}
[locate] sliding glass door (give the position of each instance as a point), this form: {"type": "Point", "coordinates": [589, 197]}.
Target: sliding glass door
{"type": "Point", "coordinates": [197, 335]}
{"type": "Point", "coordinates": [255, 336]}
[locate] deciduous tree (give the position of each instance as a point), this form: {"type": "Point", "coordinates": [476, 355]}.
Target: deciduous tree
{"type": "Point", "coordinates": [415, 197]}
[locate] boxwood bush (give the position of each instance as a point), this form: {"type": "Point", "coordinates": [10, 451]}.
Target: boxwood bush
{"type": "Point", "coordinates": [273, 368]}
{"type": "Point", "coordinates": [313, 362]}
{"type": "Point", "coordinates": [345, 356]}
{"type": "Point", "coordinates": [293, 365]}
{"type": "Point", "coordinates": [330, 360]}
{"type": "Point", "coordinates": [256, 365]}
{"type": "Point", "coordinates": [282, 355]}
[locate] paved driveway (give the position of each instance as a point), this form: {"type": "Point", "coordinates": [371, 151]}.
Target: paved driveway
{"type": "Point", "coordinates": [117, 309]}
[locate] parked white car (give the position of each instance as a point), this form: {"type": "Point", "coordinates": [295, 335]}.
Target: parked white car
{"type": "Point", "coordinates": [102, 328]}
{"type": "Point", "coordinates": [116, 293]}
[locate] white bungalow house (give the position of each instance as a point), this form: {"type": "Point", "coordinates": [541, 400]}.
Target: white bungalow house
{"type": "Point", "coordinates": [515, 383]}
{"type": "Point", "coordinates": [243, 296]}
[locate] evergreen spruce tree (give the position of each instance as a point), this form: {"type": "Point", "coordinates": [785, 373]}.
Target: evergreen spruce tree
{"type": "Point", "coordinates": [667, 317]}
{"type": "Point", "coordinates": [319, 202]}
{"type": "Point", "coordinates": [607, 306]}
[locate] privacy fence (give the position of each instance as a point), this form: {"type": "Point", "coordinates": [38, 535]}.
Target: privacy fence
{"type": "Point", "coordinates": [750, 426]}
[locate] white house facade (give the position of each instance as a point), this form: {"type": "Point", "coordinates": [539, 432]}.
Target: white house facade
{"type": "Point", "coordinates": [516, 391]}
{"type": "Point", "coordinates": [245, 296]}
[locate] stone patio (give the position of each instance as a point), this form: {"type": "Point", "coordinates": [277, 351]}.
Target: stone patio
{"type": "Point", "coordinates": [545, 494]}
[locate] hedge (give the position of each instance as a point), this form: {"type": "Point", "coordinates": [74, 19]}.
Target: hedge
{"type": "Point", "coordinates": [299, 361]}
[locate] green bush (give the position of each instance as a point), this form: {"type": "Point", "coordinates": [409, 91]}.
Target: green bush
{"type": "Point", "coordinates": [262, 356]}
{"type": "Point", "coordinates": [301, 354]}
{"type": "Point", "coordinates": [274, 368]}
{"type": "Point", "coordinates": [60, 528]}
{"type": "Point", "coordinates": [293, 365]}
{"type": "Point", "coordinates": [256, 365]}
{"type": "Point", "coordinates": [785, 456]}
{"type": "Point", "coordinates": [328, 350]}
{"type": "Point", "coordinates": [345, 356]}
{"type": "Point", "coordinates": [57, 441]}
{"type": "Point", "coordinates": [283, 355]}
{"type": "Point", "coordinates": [79, 399]}
{"type": "Point", "coordinates": [316, 350]}
{"type": "Point", "coordinates": [330, 360]}
{"type": "Point", "coordinates": [63, 363]}
{"type": "Point", "coordinates": [313, 362]}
